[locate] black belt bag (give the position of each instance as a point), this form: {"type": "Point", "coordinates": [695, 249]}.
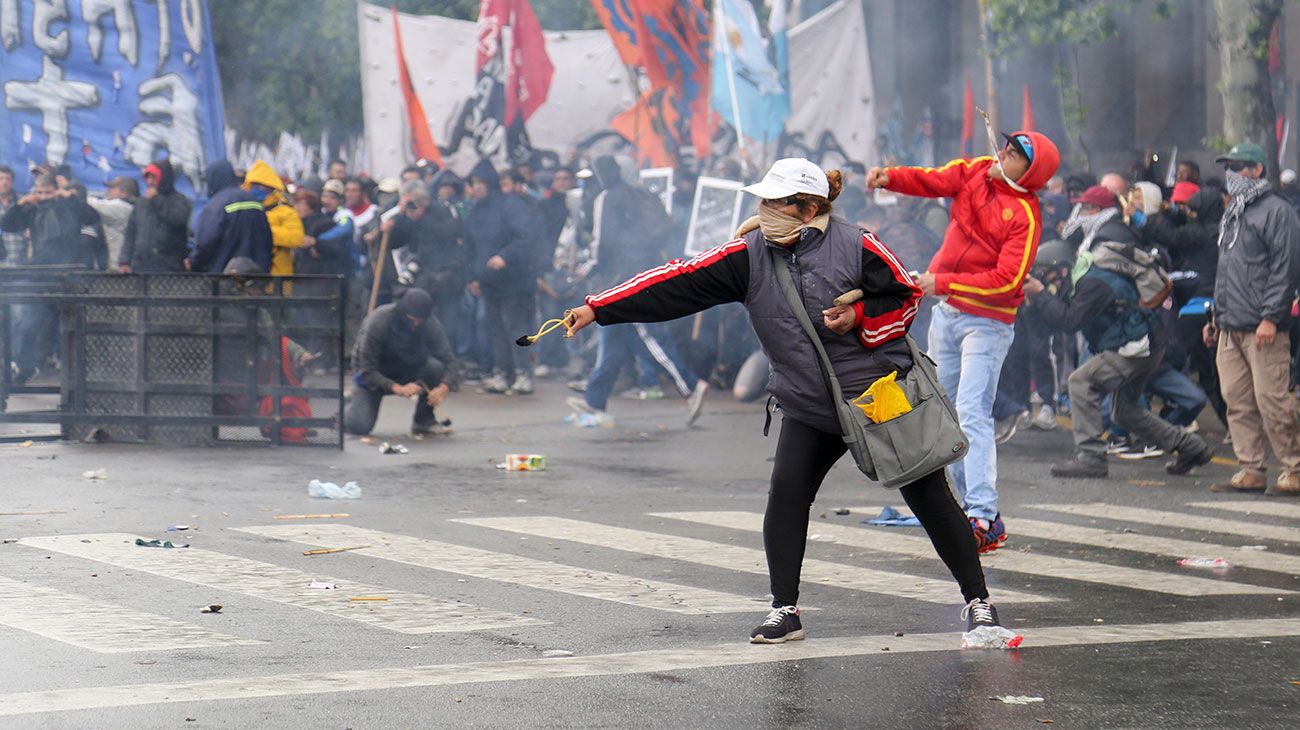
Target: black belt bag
{"type": "Point", "coordinates": [899, 451]}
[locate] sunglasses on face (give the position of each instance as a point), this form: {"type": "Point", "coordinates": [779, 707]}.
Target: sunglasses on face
{"type": "Point", "coordinates": [1238, 165]}
{"type": "Point", "coordinates": [782, 202]}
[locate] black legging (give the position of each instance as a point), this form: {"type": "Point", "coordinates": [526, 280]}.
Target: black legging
{"type": "Point", "coordinates": [803, 457]}
{"type": "Point", "coordinates": [1202, 362]}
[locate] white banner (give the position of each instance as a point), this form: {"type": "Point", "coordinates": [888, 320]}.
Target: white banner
{"type": "Point", "coordinates": [590, 86]}
{"type": "Point", "coordinates": [832, 96]}
{"type": "Point", "coordinates": [833, 105]}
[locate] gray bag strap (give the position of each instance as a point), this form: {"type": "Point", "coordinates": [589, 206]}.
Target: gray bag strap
{"type": "Point", "coordinates": [828, 371]}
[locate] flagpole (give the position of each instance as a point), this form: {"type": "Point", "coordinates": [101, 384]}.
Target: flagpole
{"type": "Point", "coordinates": [731, 76]}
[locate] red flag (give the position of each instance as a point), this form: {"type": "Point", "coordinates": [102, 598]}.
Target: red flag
{"type": "Point", "coordinates": [530, 68]}
{"type": "Point", "coordinates": [1027, 114]}
{"type": "Point", "coordinates": [968, 121]}
{"type": "Point", "coordinates": [493, 15]}
{"type": "Point", "coordinates": [422, 143]}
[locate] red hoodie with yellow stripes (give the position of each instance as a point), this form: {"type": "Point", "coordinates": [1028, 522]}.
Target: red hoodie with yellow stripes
{"type": "Point", "coordinates": [993, 233]}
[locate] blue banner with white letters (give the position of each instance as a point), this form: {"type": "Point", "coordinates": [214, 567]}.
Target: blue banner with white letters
{"type": "Point", "coordinates": [108, 86]}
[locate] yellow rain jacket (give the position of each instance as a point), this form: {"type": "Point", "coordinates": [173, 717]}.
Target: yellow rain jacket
{"type": "Point", "coordinates": [286, 227]}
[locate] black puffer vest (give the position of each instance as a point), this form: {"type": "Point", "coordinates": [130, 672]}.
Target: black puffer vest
{"type": "Point", "coordinates": [823, 266]}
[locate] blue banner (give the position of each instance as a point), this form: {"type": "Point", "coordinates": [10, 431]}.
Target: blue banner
{"type": "Point", "coordinates": [108, 86]}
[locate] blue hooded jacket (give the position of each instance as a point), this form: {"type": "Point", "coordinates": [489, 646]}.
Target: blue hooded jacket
{"type": "Point", "coordinates": [232, 224]}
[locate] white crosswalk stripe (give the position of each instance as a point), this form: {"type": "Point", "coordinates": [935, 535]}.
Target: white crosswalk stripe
{"type": "Point", "coordinates": [515, 569]}
{"type": "Point", "coordinates": [1154, 545]}
{"type": "Point", "coordinates": [1134, 542]}
{"type": "Point", "coordinates": [409, 613]}
{"type": "Point", "coordinates": [736, 558]}
{"type": "Point", "coordinates": [1009, 560]}
{"type": "Point", "coordinates": [1175, 520]}
{"type": "Point", "coordinates": [1272, 508]}
{"type": "Point", "coordinates": [730, 654]}
{"type": "Point", "coordinates": [114, 628]}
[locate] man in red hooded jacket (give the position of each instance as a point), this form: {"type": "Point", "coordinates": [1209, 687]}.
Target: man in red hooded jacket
{"type": "Point", "coordinates": [990, 243]}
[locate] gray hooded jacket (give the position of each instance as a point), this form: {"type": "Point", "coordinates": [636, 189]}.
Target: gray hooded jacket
{"type": "Point", "coordinates": [1259, 273]}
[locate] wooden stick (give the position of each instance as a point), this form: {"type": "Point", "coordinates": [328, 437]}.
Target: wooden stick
{"type": "Point", "coordinates": [46, 512]}
{"type": "Point", "coordinates": [378, 272]}
{"type": "Point", "coordinates": [327, 551]}
{"type": "Point", "coordinates": [311, 517]}
{"type": "Point", "coordinates": [848, 297]}
{"type": "Point", "coordinates": [368, 598]}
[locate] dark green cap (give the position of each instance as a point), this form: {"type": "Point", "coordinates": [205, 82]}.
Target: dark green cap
{"type": "Point", "coordinates": [1244, 152]}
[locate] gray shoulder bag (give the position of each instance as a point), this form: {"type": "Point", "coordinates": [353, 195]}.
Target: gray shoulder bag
{"type": "Point", "coordinates": [903, 449]}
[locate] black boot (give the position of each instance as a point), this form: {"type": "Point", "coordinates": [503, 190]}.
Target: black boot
{"type": "Point", "coordinates": [1082, 466]}
{"type": "Point", "coordinates": [1192, 452]}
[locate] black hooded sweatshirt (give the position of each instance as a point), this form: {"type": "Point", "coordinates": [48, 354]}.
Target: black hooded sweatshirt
{"type": "Point", "coordinates": [505, 226]}
{"type": "Point", "coordinates": [1196, 245]}
{"type": "Point", "coordinates": [158, 230]}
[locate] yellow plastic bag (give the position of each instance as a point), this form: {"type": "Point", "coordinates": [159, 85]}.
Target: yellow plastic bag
{"type": "Point", "coordinates": [884, 400]}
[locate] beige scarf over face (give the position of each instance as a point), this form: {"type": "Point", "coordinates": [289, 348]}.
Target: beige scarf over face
{"type": "Point", "coordinates": [781, 228]}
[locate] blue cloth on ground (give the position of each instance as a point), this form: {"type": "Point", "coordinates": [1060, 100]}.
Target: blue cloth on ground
{"type": "Point", "coordinates": [890, 517]}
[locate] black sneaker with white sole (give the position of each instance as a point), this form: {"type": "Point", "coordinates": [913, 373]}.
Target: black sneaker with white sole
{"type": "Point", "coordinates": [984, 631]}
{"type": "Point", "coordinates": [780, 626]}
{"type": "Point", "coordinates": [980, 613]}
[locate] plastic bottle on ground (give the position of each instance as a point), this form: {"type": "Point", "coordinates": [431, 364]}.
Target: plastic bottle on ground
{"type": "Point", "coordinates": [330, 490]}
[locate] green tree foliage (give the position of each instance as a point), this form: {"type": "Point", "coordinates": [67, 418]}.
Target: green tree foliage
{"type": "Point", "coordinates": [290, 65]}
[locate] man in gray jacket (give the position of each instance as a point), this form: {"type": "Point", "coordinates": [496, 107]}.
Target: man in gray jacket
{"type": "Point", "coordinates": [1259, 268]}
{"type": "Point", "coordinates": [401, 350]}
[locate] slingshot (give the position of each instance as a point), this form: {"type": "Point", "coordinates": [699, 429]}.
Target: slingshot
{"type": "Point", "coordinates": [547, 327]}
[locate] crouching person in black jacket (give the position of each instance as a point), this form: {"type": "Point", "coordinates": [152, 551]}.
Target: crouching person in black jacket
{"type": "Point", "coordinates": [401, 350]}
{"type": "Point", "coordinates": [1128, 344]}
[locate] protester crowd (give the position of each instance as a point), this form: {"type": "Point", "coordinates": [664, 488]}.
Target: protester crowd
{"type": "Point", "coordinates": [444, 274]}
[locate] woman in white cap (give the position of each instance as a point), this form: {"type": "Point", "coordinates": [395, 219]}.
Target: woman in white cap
{"type": "Point", "coordinates": [865, 341]}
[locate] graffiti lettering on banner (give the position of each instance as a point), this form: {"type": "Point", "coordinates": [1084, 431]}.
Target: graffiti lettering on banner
{"type": "Point", "coordinates": [108, 86]}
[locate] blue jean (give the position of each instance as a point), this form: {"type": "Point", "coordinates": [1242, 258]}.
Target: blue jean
{"type": "Point", "coordinates": [34, 332]}
{"type": "Point", "coordinates": [969, 351]}
{"type": "Point", "coordinates": [1184, 398]}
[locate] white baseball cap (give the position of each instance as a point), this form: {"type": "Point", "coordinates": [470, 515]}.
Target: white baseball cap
{"type": "Point", "coordinates": [788, 177]}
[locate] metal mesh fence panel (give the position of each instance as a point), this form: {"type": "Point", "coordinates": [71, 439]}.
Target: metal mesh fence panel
{"type": "Point", "coordinates": [196, 358]}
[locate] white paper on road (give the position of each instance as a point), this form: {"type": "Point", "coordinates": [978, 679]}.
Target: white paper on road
{"type": "Point", "coordinates": [408, 613]}
{"type": "Point", "coordinates": [516, 569]}
{"type": "Point", "coordinates": [891, 541]}
{"type": "Point", "coordinates": [1272, 508]}
{"type": "Point", "coordinates": [737, 558]}
{"type": "Point", "coordinates": [1175, 520]}
{"type": "Point", "coordinates": [730, 654]}
{"type": "Point", "coordinates": [97, 625]}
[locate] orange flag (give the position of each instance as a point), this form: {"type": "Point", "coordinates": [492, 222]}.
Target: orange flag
{"type": "Point", "coordinates": [1027, 114]}
{"type": "Point", "coordinates": [422, 143]}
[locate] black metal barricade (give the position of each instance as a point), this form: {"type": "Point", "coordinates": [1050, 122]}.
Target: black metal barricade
{"type": "Point", "coordinates": [192, 359]}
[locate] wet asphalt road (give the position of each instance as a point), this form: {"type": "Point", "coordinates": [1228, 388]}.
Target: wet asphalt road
{"type": "Point", "coordinates": [1117, 634]}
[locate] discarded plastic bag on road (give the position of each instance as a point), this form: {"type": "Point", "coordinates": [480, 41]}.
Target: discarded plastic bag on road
{"type": "Point", "coordinates": [330, 490]}
{"type": "Point", "coordinates": [991, 637]}
{"type": "Point", "coordinates": [168, 544]}
{"type": "Point", "coordinates": [1197, 562]}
